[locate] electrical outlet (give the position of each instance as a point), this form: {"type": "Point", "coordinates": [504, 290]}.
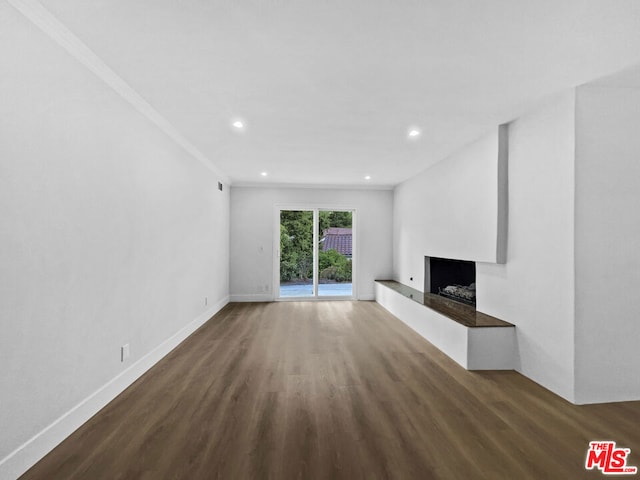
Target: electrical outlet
{"type": "Point", "coordinates": [124, 352]}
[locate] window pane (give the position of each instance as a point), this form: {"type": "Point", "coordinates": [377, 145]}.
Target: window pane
{"type": "Point", "coordinates": [296, 253]}
{"type": "Point", "coordinates": [335, 253]}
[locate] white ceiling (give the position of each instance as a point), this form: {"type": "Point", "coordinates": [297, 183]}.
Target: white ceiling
{"type": "Point", "coordinates": [329, 88]}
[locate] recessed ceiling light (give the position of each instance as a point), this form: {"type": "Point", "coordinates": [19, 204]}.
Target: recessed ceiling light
{"type": "Point", "coordinates": [414, 132]}
{"type": "Point", "coordinates": [264, 174]}
{"type": "Point", "coordinates": [238, 124]}
{"type": "Point", "coordinates": [367, 177]}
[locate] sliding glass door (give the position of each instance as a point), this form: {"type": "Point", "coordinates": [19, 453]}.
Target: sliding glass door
{"type": "Point", "coordinates": [315, 255]}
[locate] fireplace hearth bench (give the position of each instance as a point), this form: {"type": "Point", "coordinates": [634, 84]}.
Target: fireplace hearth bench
{"type": "Point", "coordinates": [473, 339]}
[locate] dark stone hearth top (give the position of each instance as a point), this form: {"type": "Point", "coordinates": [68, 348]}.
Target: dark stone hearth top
{"type": "Point", "coordinates": [458, 312]}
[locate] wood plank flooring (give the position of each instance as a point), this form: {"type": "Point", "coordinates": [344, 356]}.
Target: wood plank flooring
{"type": "Point", "coordinates": [332, 390]}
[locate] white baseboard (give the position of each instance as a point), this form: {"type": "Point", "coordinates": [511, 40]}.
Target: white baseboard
{"type": "Point", "coordinates": [29, 453]}
{"type": "Point", "coordinates": [367, 296]}
{"type": "Point", "coordinates": [257, 297]}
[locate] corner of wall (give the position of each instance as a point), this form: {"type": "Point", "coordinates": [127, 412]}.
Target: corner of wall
{"type": "Point", "coordinates": [606, 260]}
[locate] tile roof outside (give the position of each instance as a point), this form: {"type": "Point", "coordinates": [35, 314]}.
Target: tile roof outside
{"type": "Point", "coordinates": [337, 239]}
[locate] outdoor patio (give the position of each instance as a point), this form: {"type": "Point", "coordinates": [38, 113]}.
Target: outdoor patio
{"type": "Point", "coordinates": [324, 290]}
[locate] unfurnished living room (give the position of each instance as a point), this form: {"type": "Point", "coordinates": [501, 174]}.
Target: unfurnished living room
{"type": "Point", "coordinates": [319, 239]}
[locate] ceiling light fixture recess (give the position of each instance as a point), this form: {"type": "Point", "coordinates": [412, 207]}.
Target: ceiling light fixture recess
{"type": "Point", "coordinates": [367, 177]}
{"type": "Point", "coordinates": [264, 174]}
{"type": "Point", "coordinates": [238, 124]}
{"type": "Point", "coordinates": [414, 132]}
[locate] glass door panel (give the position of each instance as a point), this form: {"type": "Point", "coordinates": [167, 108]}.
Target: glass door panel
{"type": "Point", "coordinates": [335, 234]}
{"type": "Point", "coordinates": [296, 253]}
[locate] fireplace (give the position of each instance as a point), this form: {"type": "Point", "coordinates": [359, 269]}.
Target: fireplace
{"type": "Point", "coordinates": [454, 279]}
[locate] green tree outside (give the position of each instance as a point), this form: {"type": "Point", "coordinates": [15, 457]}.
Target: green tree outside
{"type": "Point", "coordinates": [296, 247]}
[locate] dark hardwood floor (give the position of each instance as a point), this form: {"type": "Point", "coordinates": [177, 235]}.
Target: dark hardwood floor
{"type": "Point", "coordinates": [332, 390]}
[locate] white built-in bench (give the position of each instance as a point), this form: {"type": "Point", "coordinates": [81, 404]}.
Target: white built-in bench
{"type": "Point", "coordinates": [473, 339]}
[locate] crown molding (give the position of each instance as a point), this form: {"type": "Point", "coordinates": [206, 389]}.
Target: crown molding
{"type": "Point", "coordinates": [310, 186]}
{"type": "Point", "coordinates": [57, 31]}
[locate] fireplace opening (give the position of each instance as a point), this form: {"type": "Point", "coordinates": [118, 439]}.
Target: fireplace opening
{"type": "Point", "coordinates": [454, 279]}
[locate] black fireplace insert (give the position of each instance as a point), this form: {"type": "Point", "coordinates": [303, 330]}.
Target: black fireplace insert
{"type": "Point", "coordinates": [451, 278]}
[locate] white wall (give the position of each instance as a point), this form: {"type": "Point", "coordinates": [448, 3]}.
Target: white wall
{"type": "Point", "coordinates": [573, 264]}
{"type": "Point", "coordinates": [110, 233]}
{"type": "Point", "coordinates": [535, 288]}
{"type": "Point", "coordinates": [252, 235]}
{"type": "Point", "coordinates": [607, 244]}
{"type": "Point", "coordinates": [450, 210]}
